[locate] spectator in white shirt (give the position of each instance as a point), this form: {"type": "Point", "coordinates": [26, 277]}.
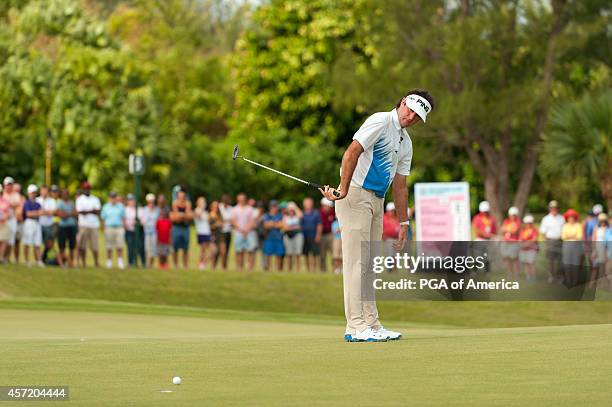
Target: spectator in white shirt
{"type": "Point", "coordinates": [225, 209]}
{"type": "Point", "coordinates": [88, 207]}
{"type": "Point", "coordinates": [551, 227]}
{"type": "Point", "coordinates": [202, 225]}
{"type": "Point", "coordinates": [48, 208]}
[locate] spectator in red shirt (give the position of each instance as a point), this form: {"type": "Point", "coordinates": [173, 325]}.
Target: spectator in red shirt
{"type": "Point", "coordinates": [328, 215]}
{"type": "Point", "coordinates": [510, 247]}
{"type": "Point", "coordinates": [484, 223]}
{"type": "Point", "coordinates": [391, 226]}
{"type": "Point", "coordinates": [164, 233]}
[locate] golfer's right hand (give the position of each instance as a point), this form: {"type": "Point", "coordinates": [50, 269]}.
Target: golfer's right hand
{"type": "Point", "coordinates": [333, 194]}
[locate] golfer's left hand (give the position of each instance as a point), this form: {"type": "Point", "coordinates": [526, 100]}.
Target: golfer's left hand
{"type": "Point", "coordinates": [333, 194]}
{"type": "Point", "coordinates": [401, 239]}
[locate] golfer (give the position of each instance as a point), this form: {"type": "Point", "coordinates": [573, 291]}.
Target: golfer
{"type": "Point", "coordinates": [379, 156]}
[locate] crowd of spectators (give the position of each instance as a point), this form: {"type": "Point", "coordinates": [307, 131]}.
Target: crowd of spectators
{"type": "Point", "coordinates": [576, 251]}
{"type": "Point", "coordinates": [51, 227]}
{"type": "Point", "coordinates": [56, 228]}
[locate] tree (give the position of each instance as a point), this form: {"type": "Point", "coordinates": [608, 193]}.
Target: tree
{"type": "Point", "coordinates": [496, 68]}
{"type": "Point", "coordinates": [285, 115]}
{"type": "Point", "coordinates": [580, 141]}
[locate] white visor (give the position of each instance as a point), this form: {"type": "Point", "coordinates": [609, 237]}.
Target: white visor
{"type": "Point", "coordinates": [419, 105]}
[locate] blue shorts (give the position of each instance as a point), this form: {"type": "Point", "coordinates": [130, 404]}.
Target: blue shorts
{"type": "Point", "coordinates": [273, 247]}
{"type": "Point", "coordinates": [180, 237]}
{"type": "Point", "coordinates": [245, 244]}
{"type": "Point", "coordinates": [204, 239]}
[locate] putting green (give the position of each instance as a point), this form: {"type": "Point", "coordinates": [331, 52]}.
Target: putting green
{"type": "Point", "coordinates": [127, 359]}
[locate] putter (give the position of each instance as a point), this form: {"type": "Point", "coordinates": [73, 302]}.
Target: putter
{"type": "Point", "coordinates": [310, 184]}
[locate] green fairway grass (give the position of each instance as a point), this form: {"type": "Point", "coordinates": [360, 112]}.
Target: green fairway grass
{"type": "Point", "coordinates": [126, 360]}
{"type": "Point", "coordinates": [259, 292]}
{"type": "Point", "coordinates": [275, 339]}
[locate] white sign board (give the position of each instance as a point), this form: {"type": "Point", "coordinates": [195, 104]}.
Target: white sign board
{"type": "Point", "coordinates": [442, 211]}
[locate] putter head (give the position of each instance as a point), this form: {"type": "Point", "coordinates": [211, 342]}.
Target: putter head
{"type": "Point", "coordinates": [235, 153]}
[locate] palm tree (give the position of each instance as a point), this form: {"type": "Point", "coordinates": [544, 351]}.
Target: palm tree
{"type": "Point", "coordinates": [580, 141]}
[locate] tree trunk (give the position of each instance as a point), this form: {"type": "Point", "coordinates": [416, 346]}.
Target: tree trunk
{"type": "Point", "coordinates": [529, 169]}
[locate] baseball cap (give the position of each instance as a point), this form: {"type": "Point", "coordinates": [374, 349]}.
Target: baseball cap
{"type": "Point", "coordinates": [8, 180]}
{"type": "Point", "coordinates": [528, 219]}
{"type": "Point", "coordinates": [292, 205]}
{"type": "Point", "coordinates": [484, 206]}
{"type": "Point", "coordinates": [390, 207]}
{"type": "Point", "coordinates": [553, 204]}
{"type": "Point", "coordinates": [54, 188]}
{"type": "Point", "coordinates": [326, 202]}
{"type": "Point", "coordinates": [602, 217]}
{"type": "Point", "coordinates": [273, 202]}
{"type": "Point", "coordinates": [283, 204]}
{"type": "Point", "coordinates": [112, 194]}
{"type": "Point", "coordinates": [130, 197]}
{"type": "Point", "coordinates": [419, 105]}
{"type": "Point", "coordinates": [150, 197]}
{"type": "Point", "coordinates": [597, 209]}
{"type": "Point", "coordinates": [85, 185]}
{"type": "Point", "coordinates": [513, 211]}
{"type": "Point", "coordinates": [32, 188]}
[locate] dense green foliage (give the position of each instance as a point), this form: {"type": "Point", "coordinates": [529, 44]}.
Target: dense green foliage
{"type": "Point", "coordinates": [182, 81]}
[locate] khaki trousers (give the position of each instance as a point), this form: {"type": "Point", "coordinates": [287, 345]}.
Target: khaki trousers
{"type": "Point", "coordinates": [361, 221]}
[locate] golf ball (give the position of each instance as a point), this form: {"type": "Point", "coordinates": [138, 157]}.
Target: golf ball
{"type": "Point", "coordinates": [176, 380]}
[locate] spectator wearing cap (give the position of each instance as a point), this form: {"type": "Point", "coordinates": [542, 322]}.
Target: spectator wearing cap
{"type": "Point", "coordinates": [148, 215]}
{"type": "Point", "coordinates": [598, 261]}
{"type": "Point", "coordinates": [293, 238]}
{"type": "Point", "coordinates": [484, 224]}
{"type": "Point", "coordinates": [245, 238]}
{"type": "Point", "coordinates": [551, 227]}
{"type": "Point", "coordinates": [181, 217]}
{"type": "Point", "coordinates": [46, 220]}
{"type": "Point", "coordinates": [12, 194]}
{"type": "Point", "coordinates": [114, 217]}
{"type": "Point", "coordinates": [510, 247]}
{"type": "Point", "coordinates": [32, 232]}
{"type": "Point", "coordinates": [572, 250]}
{"type": "Point", "coordinates": [202, 225]}
{"type": "Point", "coordinates": [67, 228]}
{"type": "Point", "coordinates": [312, 230]}
{"type": "Point", "coordinates": [391, 226]}
{"type": "Point", "coordinates": [135, 241]}
{"type": "Point", "coordinates": [5, 231]}
{"type": "Point", "coordinates": [328, 215]}
{"type": "Point", "coordinates": [88, 207]}
{"type": "Point", "coordinates": [528, 237]}
{"type": "Point", "coordinates": [273, 246]}
{"type": "Point", "coordinates": [485, 229]}
{"type": "Point", "coordinates": [589, 225]}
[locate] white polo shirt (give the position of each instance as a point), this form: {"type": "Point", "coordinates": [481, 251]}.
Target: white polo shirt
{"type": "Point", "coordinates": [551, 226]}
{"type": "Point", "coordinates": [88, 203]}
{"type": "Point", "coordinates": [47, 204]}
{"type": "Point", "coordinates": [387, 151]}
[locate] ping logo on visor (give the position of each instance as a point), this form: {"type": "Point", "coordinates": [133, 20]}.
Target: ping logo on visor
{"type": "Point", "coordinates": [419, 105]}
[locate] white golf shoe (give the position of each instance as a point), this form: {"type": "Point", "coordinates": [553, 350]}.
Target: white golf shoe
{"type": "Point", "coordinates": [390, 335]}
{"type": "Point", "coordinates": [368, 335]}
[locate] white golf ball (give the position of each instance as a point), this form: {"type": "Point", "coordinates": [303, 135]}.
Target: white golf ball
{"type": "Point", "coordinates": [176, 380]}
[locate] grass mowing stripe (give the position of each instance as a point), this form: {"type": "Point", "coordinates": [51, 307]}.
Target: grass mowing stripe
{"type": "Point", "coordinates": [270, 293]}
